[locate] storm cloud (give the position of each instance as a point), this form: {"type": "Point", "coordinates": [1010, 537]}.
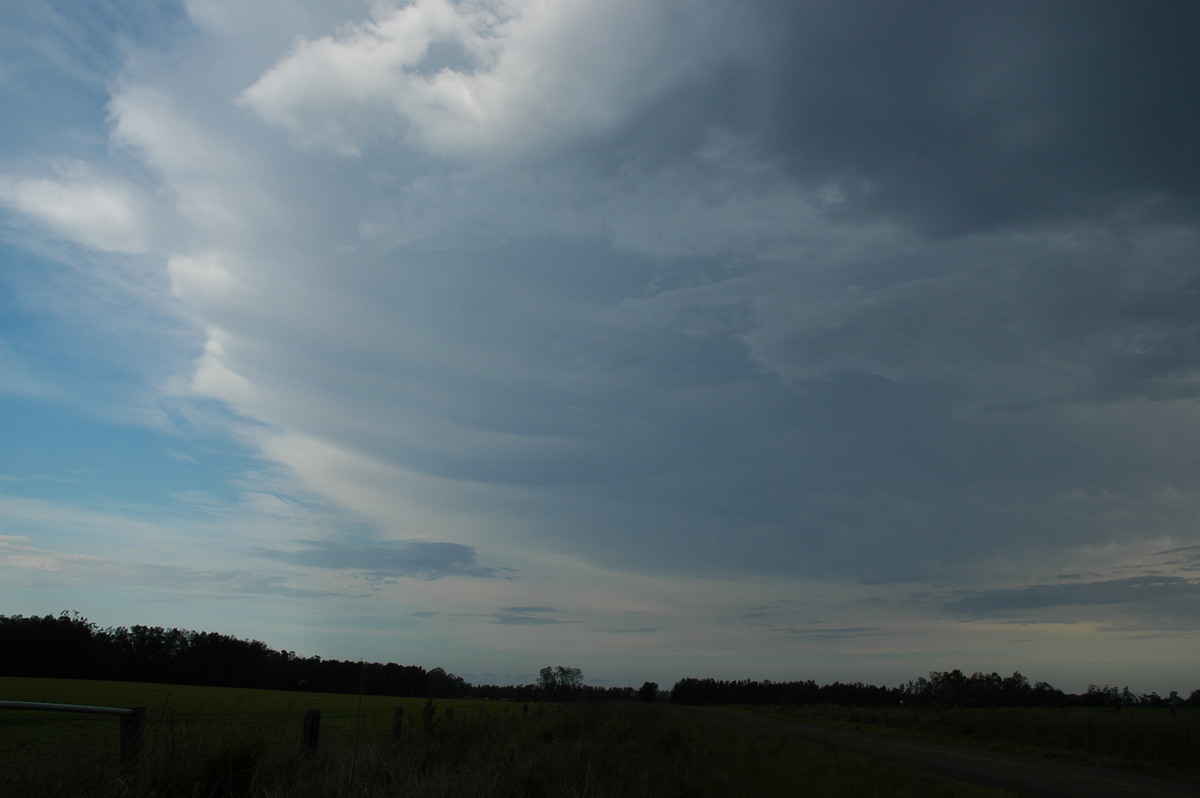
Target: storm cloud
{"type": "Point", "coordinates": [878, 315]}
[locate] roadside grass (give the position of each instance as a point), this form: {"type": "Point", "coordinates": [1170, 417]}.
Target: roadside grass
{"type": "Point", "coordinates": [1155, 741]}
{"type": "Point", "coordinates": [205, 743]}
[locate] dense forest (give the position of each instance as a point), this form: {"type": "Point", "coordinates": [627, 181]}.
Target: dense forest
{"type": "Point", "coordinates": [68, 646]}
{"type": "Point", "coordinates": [945, 688]}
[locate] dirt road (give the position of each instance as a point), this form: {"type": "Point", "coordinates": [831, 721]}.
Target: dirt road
{"type": "Point", "coordinates": [1022, 775]}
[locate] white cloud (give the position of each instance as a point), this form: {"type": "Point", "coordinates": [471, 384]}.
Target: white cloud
{"type": "Point", "coordinates": [91, 210]}
{"type": "Point", "coordinates": [204, 282]}
{"type": "Point", "coordinates": [340, 93]}
{"type": "Point", "coordinates": [512, 77]}
{"type": "Point", "coordinates": [215, 189]}
{"type": "Point", "coordinates": [15, 552]}
{"type": "Point", "coordinates": [214, 378]}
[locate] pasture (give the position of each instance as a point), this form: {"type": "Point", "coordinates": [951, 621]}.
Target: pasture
{"type": "Point", "coordinates": [1154, 740]}
{"type": "Point", "coordinates": [230, 742]}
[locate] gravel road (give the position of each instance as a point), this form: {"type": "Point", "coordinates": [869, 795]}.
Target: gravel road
{"type": "Point", "coordinates": [1022, 775]}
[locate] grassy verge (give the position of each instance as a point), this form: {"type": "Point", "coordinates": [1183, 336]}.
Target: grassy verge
{"type": "Point", "coordinates": [1155, 741]}
{"type": "Point", "coordinates": [240, 743]}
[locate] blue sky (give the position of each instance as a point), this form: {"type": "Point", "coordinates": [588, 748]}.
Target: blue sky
{"type": "Point", "coordinates": [828, 340]}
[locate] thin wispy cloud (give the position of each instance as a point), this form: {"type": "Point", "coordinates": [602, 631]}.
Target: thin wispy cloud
{"type": "Point", "coordinates": [52, 567]}
{"type": "Point", "coordinates": [516, 616]}
{"type": "Point", "coordinates": [819, 634]}
{"type": "Point", "coordinates": [416, 559]}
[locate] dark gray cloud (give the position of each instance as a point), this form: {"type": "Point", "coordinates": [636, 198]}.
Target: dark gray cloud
{"type": "Point", "coordinates": [795, 413]}
{"type": "Point", "coordinates": [1137, 592]}
{"type": "Point", "coordinates": [957, 117]}
{"type": "Point", "coordinates": [971, 116]}
{"type": "Point", "coordinates": [644, 630]}
{"type": "Point", "coordinates": [410, 559]}
{"type": "Point", "coordinates": [524, 616]}
{"type": "Point", "coordinates": [1185, 556]}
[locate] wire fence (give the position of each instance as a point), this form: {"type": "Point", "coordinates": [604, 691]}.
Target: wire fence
{"type": "Point", "coordinates": [31, 736]}
{"type": "Point", "coordinates": [26, 741]}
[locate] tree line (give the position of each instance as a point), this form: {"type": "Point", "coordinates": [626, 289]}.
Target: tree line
{"type": "Point", "coordinates": [68, 646]}
{"type": "Point", "coordinates": [941, 688]}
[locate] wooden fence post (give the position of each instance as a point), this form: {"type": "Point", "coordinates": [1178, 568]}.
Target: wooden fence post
{"type": "Point", "coordinates": [398, 721]}
{"type": "Point", "coordinates": [311, 730]}
{"type": "Point", "coordinates": [133, 727]}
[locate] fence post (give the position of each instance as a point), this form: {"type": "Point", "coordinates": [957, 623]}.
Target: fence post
{"type": "Point", "coordinates": [311, 730]}
{"type": "Point", "coordinates": [398, 721]}
{"type": "Point", "coordinates": [133, 727]}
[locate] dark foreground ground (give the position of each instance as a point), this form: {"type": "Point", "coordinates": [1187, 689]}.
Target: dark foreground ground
{"type": "Point", "coordinates": [1021, 775]}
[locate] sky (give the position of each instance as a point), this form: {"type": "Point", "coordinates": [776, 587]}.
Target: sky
{"type": "Point", "coordinates": [787, 340]}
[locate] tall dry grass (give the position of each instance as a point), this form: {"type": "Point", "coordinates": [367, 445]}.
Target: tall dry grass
{"type": "Point", "coordinates": [552, 751]}
{"type": "Point", "coordinates": [1153, 740]}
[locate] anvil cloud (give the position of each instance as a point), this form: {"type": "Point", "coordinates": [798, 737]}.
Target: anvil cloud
{"type": "Point", "coordinates": [832, 340]}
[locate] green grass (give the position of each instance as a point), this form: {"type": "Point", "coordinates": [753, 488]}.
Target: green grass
{"type": "Point", "coordinates": [1157, 741]}
{"type": "Point", "coordinates": [273, 715]}
{"type": "Point", "coordinates": [215, 742]}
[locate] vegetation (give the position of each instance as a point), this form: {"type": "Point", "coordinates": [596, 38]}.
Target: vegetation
{"type": "Point", "coordinates": [1156, 740]}
{"type": "Point", "coordinates": [234, 742]}
{"type": "Point", "coordinates": [68, 646]}
{"type": "Point", "coordinates": [941, 688]}
{"type": "Point", "coordinates": [214, 731]}
{"type": "Point", "coordinates": [560, 683]}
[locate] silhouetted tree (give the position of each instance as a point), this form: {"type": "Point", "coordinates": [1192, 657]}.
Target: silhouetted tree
{"type": "Point", "coordinates": [559, 683]}
{"type": "Point", "coordinates": [63, 646]}
{"type": "Point", "coordinates": [446, 685]}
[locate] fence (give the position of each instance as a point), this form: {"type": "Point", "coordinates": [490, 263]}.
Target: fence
{"type": "Point", "coordinates": [133, 721]}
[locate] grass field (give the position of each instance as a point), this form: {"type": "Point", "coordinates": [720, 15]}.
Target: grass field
{"type": "Point", "coordinates": [275, 715]}
{"type": "Point", "coordinates": [1157, 741]}
{"type": "Point", "coordinates": [205, 742]}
